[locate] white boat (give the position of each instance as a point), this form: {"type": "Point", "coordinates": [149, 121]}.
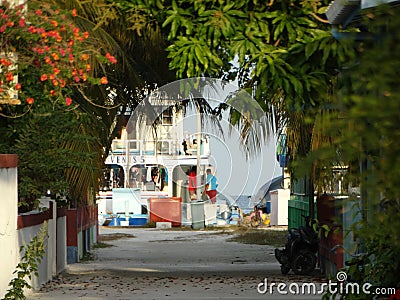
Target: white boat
{"type": "Point", "coordinates": [155, 166]}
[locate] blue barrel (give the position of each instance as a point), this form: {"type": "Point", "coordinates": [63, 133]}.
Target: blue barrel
{"type": "Point", "coordinates": [268, 207]}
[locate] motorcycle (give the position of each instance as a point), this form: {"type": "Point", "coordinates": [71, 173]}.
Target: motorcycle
{"type": "Point", "coordinates": [300, 252]}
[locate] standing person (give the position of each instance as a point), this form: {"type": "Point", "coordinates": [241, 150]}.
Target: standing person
{"type": "Point", "coordinates": [185, 147]}
{"type": "Point", "coordinates": [211, 186]}
{"type": "Point", "coordinates": [192, 185]}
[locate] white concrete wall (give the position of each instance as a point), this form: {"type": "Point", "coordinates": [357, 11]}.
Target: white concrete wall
{"type": "Point", "coordinates": [8, 226]}
{"type": "Point", "coordinates": [48, 266]}
{"type": "Point", "coordinates": [52, 238]}
{"type": "Point", "coordinates": [25, 235]}
{"type": "Point", "coordinates": [11, 238]}
{"type": "Point", "coordinates": [61, 244]}
{"type": "Point", "coordinates": [80, 246]}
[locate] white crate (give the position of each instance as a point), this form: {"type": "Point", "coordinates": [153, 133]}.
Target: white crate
{"type": "Point", "coordinates": [163, 225]}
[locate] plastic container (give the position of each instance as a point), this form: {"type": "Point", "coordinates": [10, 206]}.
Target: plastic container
{"type": "Point", "coordinates": [167, 209]}
{"type": "Point", "coordinates": [198, 218]}
{"type": "Point", "coordinates": [139, 220]}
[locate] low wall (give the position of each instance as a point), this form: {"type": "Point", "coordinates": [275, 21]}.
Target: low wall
{"type": "Point", "coordinates": [61, 240]}
{"type": "Point", "coordinates": [18, 230]}
{"type": "Point", "coordinates": [8, 219]}
{"type": "Point", "coordinates": [82, 231]}
{"type": "Point", "coordinates": [29, 226]}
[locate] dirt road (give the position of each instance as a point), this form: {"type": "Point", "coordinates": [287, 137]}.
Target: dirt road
{"type": "Point", "coordinates": [169, 264]}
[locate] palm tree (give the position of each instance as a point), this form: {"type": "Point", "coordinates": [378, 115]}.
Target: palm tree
{"type": "Point", "coordinates": [142, 64]}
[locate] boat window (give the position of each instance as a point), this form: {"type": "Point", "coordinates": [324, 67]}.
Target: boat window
{"type": "Point", "coordinates": [167, 116]}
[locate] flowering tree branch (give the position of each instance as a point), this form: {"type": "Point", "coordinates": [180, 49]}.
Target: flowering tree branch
{"type": "Point", "coordinates": [43, 55]}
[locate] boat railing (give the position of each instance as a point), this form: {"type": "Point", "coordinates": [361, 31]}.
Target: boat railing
{"type": "Point", "coordinates": [153, 147]}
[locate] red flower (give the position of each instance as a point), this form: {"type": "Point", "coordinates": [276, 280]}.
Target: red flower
{"type": "Point", "coordinates": [18, 86]}
{"type": "Point", "coordinates": [9, 76]}
{"type": "Point", "coordinates": [77, 79]}
{"type": "Point", "coordinates": [111, 58]}
{"type": "Point", "coordinates": [32, 29]}
{"type": "Point", "coordinates": [30, 101]}
{"type": "Point", "coordinates": [39, 12]}
{"type": "Point", "coordinates": [84, 56]}
{"type": "Point", "coordinates": [43, 77]}
{"type": "Point", "coordinates": [21, 22]}
{"type": "Point", "coordinates": [68, 101]}
{"type": "Point", "coordinates": [103, 80]}
{"type": "Point", "coordinates": [55, 82]}
{"type": "Point", "coordinates": [55, 56]}
{"type": "Point", "coordinates": [74, 14]}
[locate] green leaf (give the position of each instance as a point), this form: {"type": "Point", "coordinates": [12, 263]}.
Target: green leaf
{"type": "Point", "coordinates": [310, 49]}
{"type": "Point", "coordinates": [199, 51]}
{"type": "Point", "coordinates": [169, 20]}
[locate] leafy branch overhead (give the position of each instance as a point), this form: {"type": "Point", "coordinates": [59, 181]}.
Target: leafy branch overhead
{"type": "Point", "coordinates": [284, 50]}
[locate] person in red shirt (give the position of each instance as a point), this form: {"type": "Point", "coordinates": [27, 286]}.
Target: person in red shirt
{"type": "Point", "coordinates": [192, 185]}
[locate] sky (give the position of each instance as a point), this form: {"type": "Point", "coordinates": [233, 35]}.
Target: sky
{"type": "Point", "coordinates": [237, 175]}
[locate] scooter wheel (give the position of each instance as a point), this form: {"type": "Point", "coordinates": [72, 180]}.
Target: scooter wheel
{"type": "Point", "coordinates": [285, 269]}
{"type": "Point", "coordinates": [304, 262]}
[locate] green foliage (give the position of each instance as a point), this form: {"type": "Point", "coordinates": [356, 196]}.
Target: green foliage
{"type": "Point", "coordinates": [364, 133]}
{"type": "Point", "coordinates": [32, 255]}
{"type": "Point", "coordinates": [44, 143]}
{"type": "Point", "coordinates": [284, 48]}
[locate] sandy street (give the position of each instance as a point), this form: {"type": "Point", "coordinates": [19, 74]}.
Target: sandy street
{"type": "Point", "coordinates": [171, 264]}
